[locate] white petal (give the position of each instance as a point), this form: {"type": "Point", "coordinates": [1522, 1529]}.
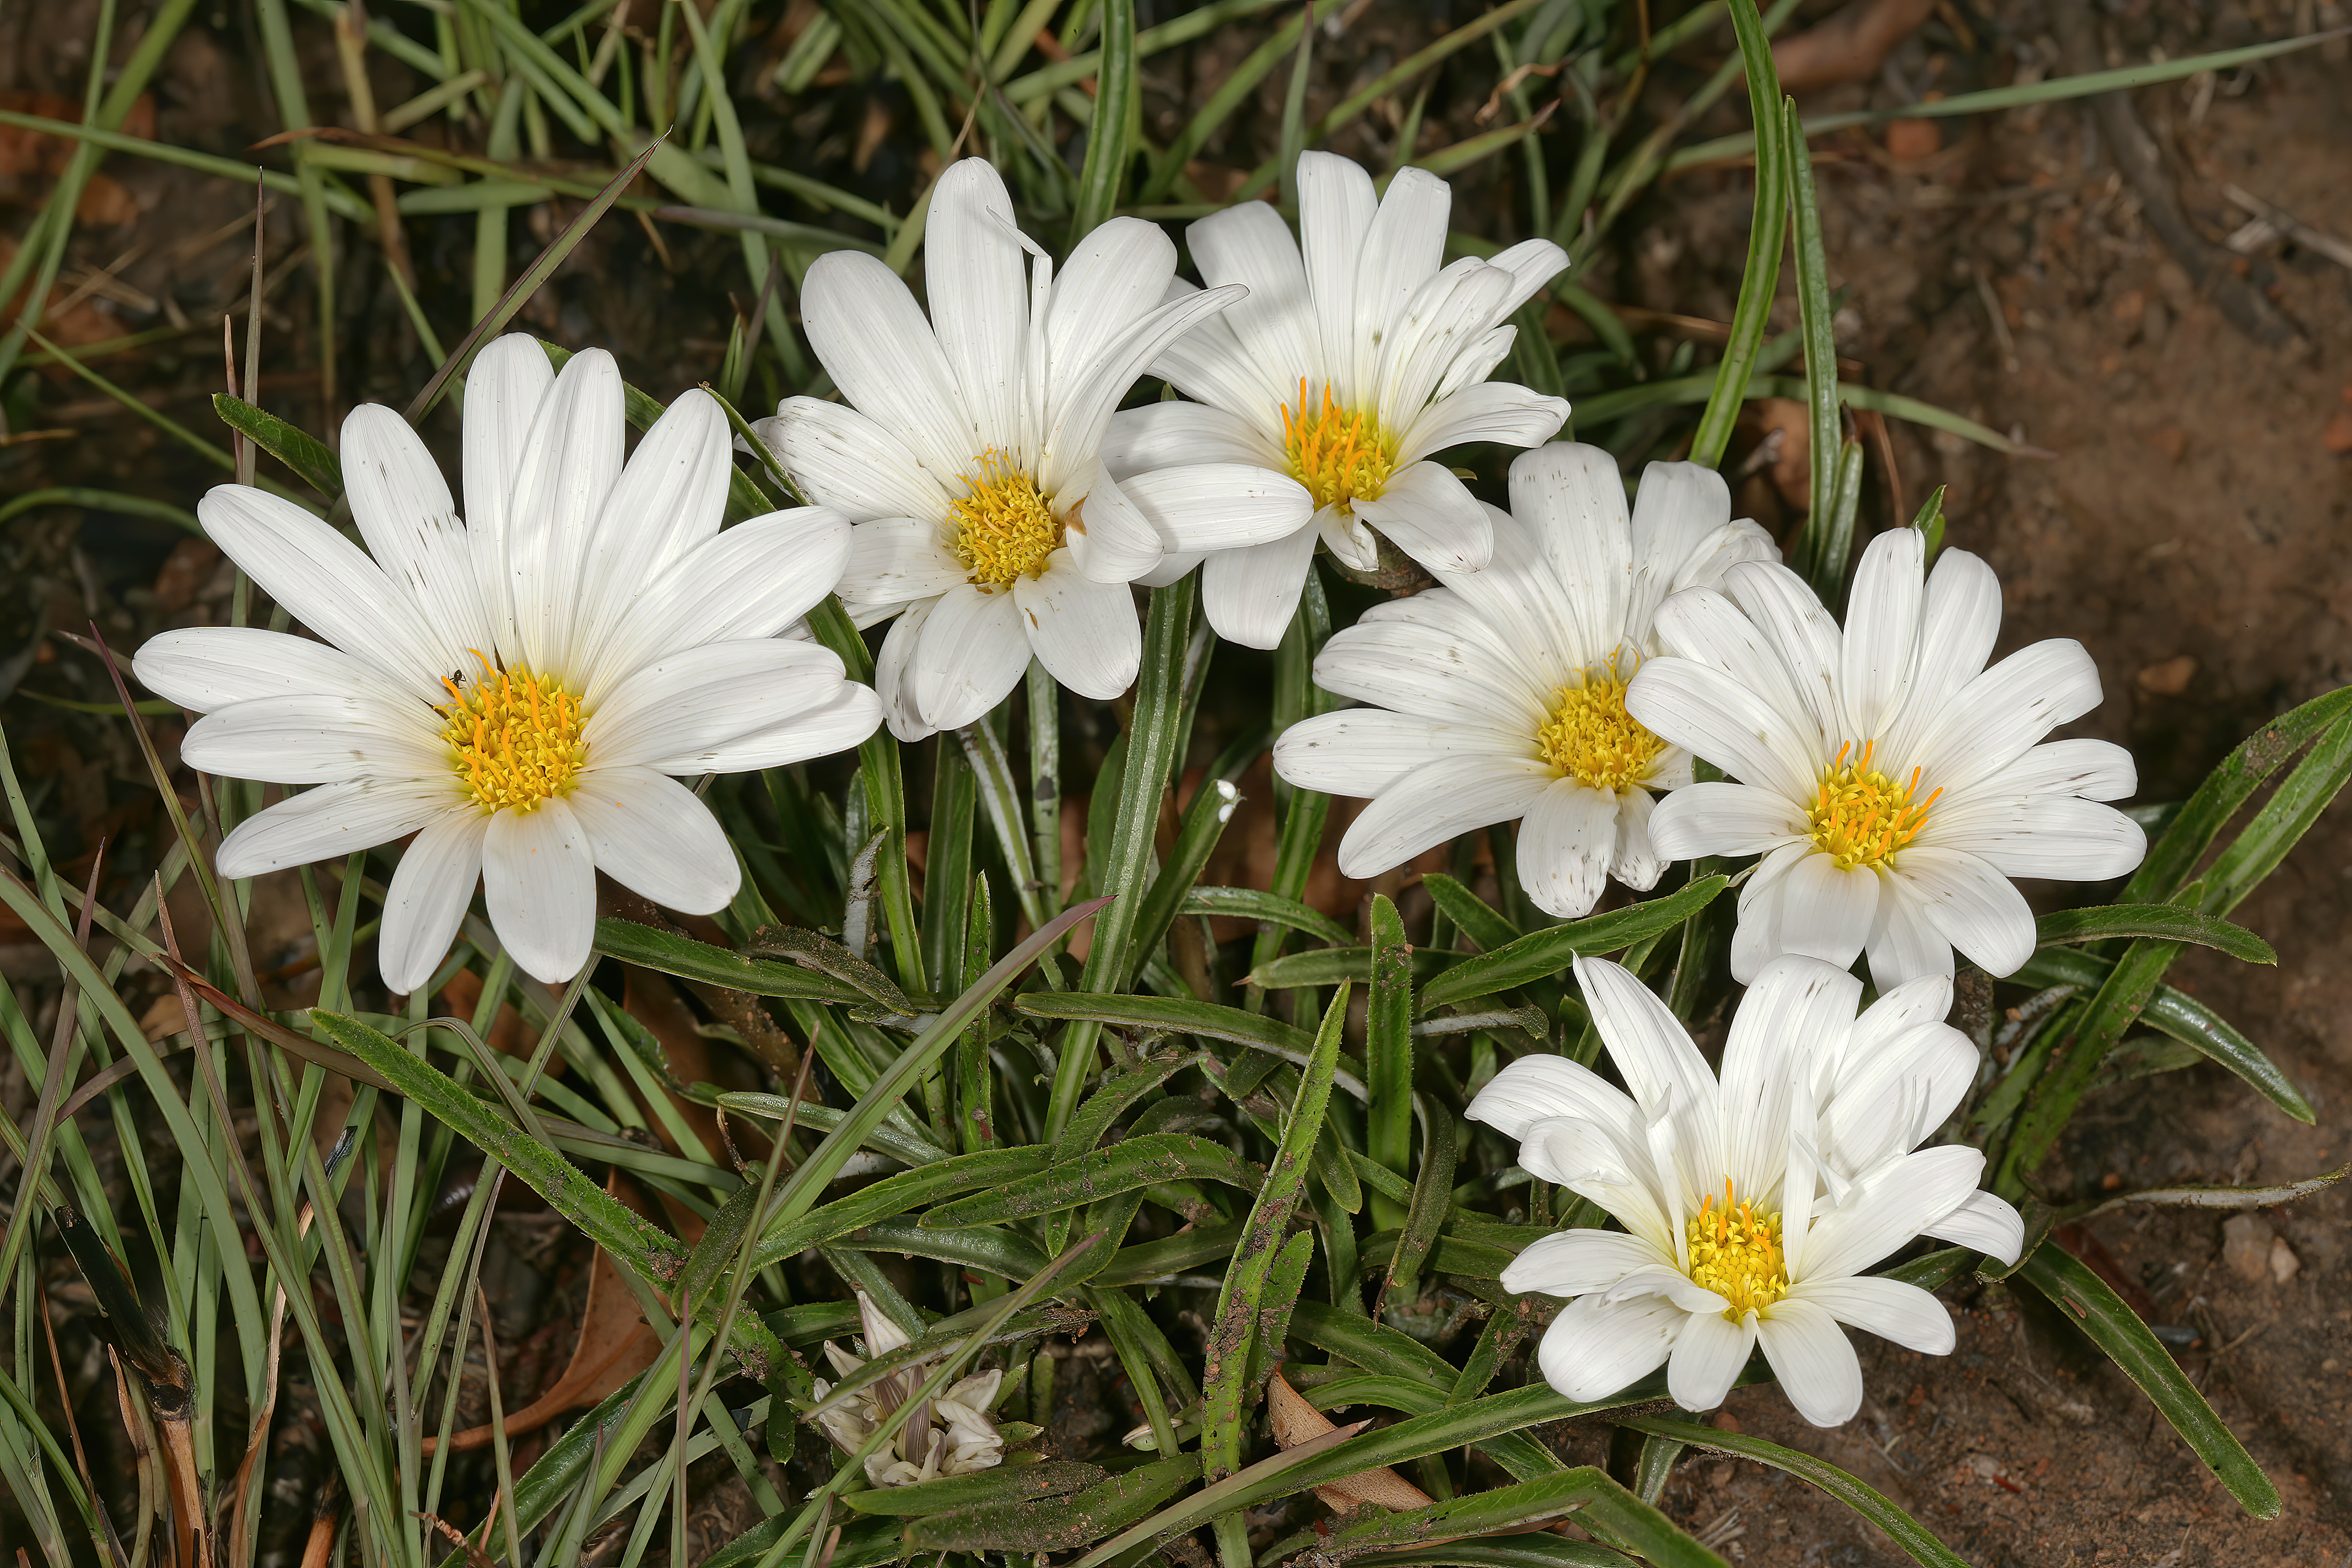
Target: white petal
{"type": "Point", "coordinates": [1535, 1088]}
{"type": "Point", "coordinates": [325, 581]}
{"type": "Point", "coordinates": [1426, 512]}
{"type": "Point", "coordinates": [405, 511]}
{"type": "Point", "coordinates": [894, 672]}
{"type": "Point", "coordinates": [1813, 1359]}
{"type": "Point", "coordinates": [1249, 244]}
{"type": "Point", "coordinates": [1502, 412]}
{"type": "Point", "coordinates": [1596, 1346]}
{"type": "Point", "coordinates": [207, 667]}
{"type": "Point", "coordinates": [1221, 506]}
{"type": "Point", "coordinates": [841, 721]}
{"type": "Point", "coordinates": [1707, 1359]}
{"type": "Point", "coordinates": [1577, 1262]}
{"type": "Point", "coordinates": [1208, 364]}
{"type": "Point", "coordinates": [2056, 836]}
{"type": "Point", "coordinates": [1633, 859]}
{"type": "Point", "coordinates": [1170, 571]}
{"type": "Point", "coordinates": [1433, 804]}
{"type": "Point", "coordinates": [1707, 627]}
{"type": "Point", "coordinates": [1110, 538]}
{"type": "Point", "coordinates": [1985, 1223]}
{"type": "Point", "coordinates": [539, 881]}
{"type": "Point", "coordinates": [315, 739]}
{"type": "Point", "coordinates": [1798, 1010]}
{"type": "Point", "coordinates": [1958, 624]}
{"type": "Point", "coordinates": [1882, 628]}
{"type": "Point", "coordinates": [874, 342]}
{"type": "Point", "coordinates": [843, 460]}
{"type": "Point", "coordinates": [1400, 252]}
{"type": "Point", "coordinates": [1335, 207]}
{"type": "Point", "coordinates": [1651, 1049]}
{"type": "Point", "coordinates": [333, 820]}
{"type": "Point", "coordinates": [1614, 1168]}
{"type": "Point", "coordinates": [1903, 944]}
{"type": "Point", "coordinates": [664, 510]}
{"type": "Point", "coordinates": [706, 696]}
{"type": "Point", "coordinates": [973, 650]}
{"type": "Point", "coordinates": [1447, 316]}
{"type": "Point", "coordinates": [1896, 1201]}
{"type": "Point", "coordinates": [504, 387]}
{"type": "Point", "coordinates": [1086, 396]}
{"type": "Point", "coordinates": [1712, 818]}
{"type": "Point", "coordinates": [894, 560]}
{"type": "Point", "coordinates": [1896, 1092]}
{"type": "Point", "coordinates": [1970, 905]}
{"type": "Point", "coordinates": [1828, 911]}
{"type": "Point", "coordinates": [972, 272]}
{"type": "Point", "coordinates": [1251, 594]}
{"type": "Point", "coordinates": [1812, 649]}
{"type": "Point", "coordinates": [1679, 507]}
{"type": "Point", "coordinates": [1531, 263]}
{"type": "Point", "coordinates": [1573, 496]}
{"type": "Point", "coordinates": [1117, 275]}
{"type": "Point", "coordinates": [2095, 770]}
{"type": "Point", "coordinates": [430, 890]}
{"type": "Point", "coordinates": [1997, 717]}
{"type": "Point", "coordinates": [1174, 435]}
{"type": "Point", "coordinates": [649, 833]}
{"type": "Point", "coordinates": [573, 461]}
{"type": "Point", "coordinates": [1415, 669]}
{"type": "Point", "coordinates": [1756, 941]}
{"type": "Point", "coordinates": [1566, 842]}
{"type": "Point", "coordinates": [1905, 1314]}
{"type": "Point", "coordinates": [1710, 714]}
{"type": "Point", "coordinates": [1085, 633]}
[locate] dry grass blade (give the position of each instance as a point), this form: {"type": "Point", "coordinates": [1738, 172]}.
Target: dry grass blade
{"type": "Point", "coordinates": [536, 273]}
{"type": "Point", "coordinates": [1294, 1420]}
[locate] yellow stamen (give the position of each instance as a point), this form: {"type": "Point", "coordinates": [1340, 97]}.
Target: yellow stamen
{"type": "Point", "coordinates": [1735, 1252]}
{"type": "Point", "coordinates": [513, 737]}
{"type": "Point", "coordinates": [1860, 816]}
{"type": "Point", "coordinates": [1592, 739]}
{"type": "Point", "coordinates": [1003, 528]}
{"type": "Point", "coordinates": [1337, 454]}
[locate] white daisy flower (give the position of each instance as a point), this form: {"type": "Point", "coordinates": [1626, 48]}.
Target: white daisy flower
{"type": "Point", "coordinates": [1751, 1205]}
{"type": "Point", "coordinates": [516, 689]}
{"type": "Point", "coordinates": [1891, 783]}
{"type": "Point", "coordinates": [969, 462]}
{"type": "Point", "coordinates": [954, 1435]}
{"type": "Point", "coordinates": [1347, 369]}
{"type": "Point", "coordinates": [1500, 694]}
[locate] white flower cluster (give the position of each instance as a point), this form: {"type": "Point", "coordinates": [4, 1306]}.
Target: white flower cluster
{"type": "Point", "coordinates": [523, 690]}
{"type": "Point", "coordinates": [951, 1434]}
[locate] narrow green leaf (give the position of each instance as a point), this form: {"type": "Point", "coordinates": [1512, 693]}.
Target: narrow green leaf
{"type": "Point", "coordinates": [1061, 1526]}
{"type": "Point", "coordinates": [2282, 822]}
{"type": "Point", "coordinates": [1388, 1051]}
{"type": "Point", "coordinates": [2173, 856]}
{"type": "Point", "coordinates": [1759, 281]}
{"type": "Point", "coordinates": [2072, 1067]}
{"type": "Point", "coordinates": [1600, 1504]}
{"type": "Point", "coordinates": [897, 1195]}
{"type": "Point", "coordinates": [1870, 1503]}
{"type": "Point", "coordinates": [1479, 921]}
{"type": "Point", "coordinates": [1213, 804]}
{"type": "Point", "coordinates": [1117, 1091]}
{"type": "Point", "coordinates": [2168, 923]}
{"type": "Point", "coordinates": [1821, 352]}
{"type": "Point", "coordinates": [300, 450]}
{"type": "Point", "coordinates": [1250, 904]}
{"type": "Point", "coordinates": [672, 954]}
{"type": "Point", "coordinates": [1110, 139]}
{"type": "Point", "coordinates": [2099, 1313]}
{"type": "Point", "coordinates": [1022, 1483]}
{"type": "Point", "coordinates": [1538, 1550]}
{"type": "Point", "coordinates": [1099, 1173]}
{"type": "Point", "coordinates": [1544, 954]}
{"type": "Point", "coordinates": [1432, 1201]}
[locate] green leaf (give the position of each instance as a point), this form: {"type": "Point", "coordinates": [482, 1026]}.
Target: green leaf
{"type": "Point", "coordinates": [1023, 1483]}
{"type": "Point", "coordinates": [1544, 954]}
{"type": "Point", "coordinates": [1538, 1550]}
{"type": "Point", "coordinates": [1134, 1162]}
{"type": "Point", "coordinates": [1600, 1504]}
{"type": "Point", "coordinates": [810, 951]}
{"type": "Point", "coordinates": [1110, 138]}
{"type": "Point", "coordinates": [672, 954]}
{"type": "Point", "coordinates": [1479, 921]}
{"type": "Point", "coordinates": [2167, 923]}
{"type": "Point", "coordinates": [2174, 855]}
{"type": "Point", "coordinates": [1213, 804]}
{"type": "Point", "coordinates": [300, 451]}
{"type": "Point", "coordinates": [1760, 280]}
{"type": "Point", "coordinates": [1817, 557]}
{"type": "Point", "coordinates": [1388, 1050]}
{"type": "Point", "coordinates": [1116, 1092]}
{"type": "Point", "coordinates": [2099, 1313]}
{"type": "Point", "coordinates": [1250, 904]}
{"type": "Point", "coordinates": [2282, 822]}
{"type": "Point", "coordinates": [2067, 1076]}
{"type": "Point", "coordinates": [1177, 1015]}
{"type": "Point", "coordinates": [1432, 1201]}
{"type": "Point", "coordinates": [895, 1195]}
{"type": "Point", "coordinates": [2179, 1015]}
{"type": "Point", "coordinates": [1069, 1523]}
{"type": "Point", "coordinates": [1868, 1501]}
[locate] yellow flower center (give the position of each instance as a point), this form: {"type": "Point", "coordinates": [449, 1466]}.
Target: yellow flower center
{"type": "Point", "coordinates": [1337, 454]}
{"type": "Point", "coordinates": [1860, 816]}
{"type": "Point", "coordinates": [1735, 1252]}
{"type": "Point", "coordinates": [1003, 528]}
{"type": "Point", "coordinates": [1592, 739]}
{"type": "Point", "coordinates": [514, 737]}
